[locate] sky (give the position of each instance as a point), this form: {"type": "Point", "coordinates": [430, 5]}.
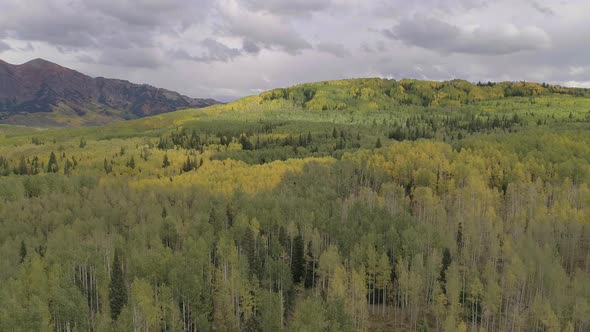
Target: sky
{"type": "Point", "coordinates": [228, 49]}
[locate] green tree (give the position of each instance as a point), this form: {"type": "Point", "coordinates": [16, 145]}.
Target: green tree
{"type": "Point", "coordinates": [310, 315]}
{"type": "Point", "coordinates": [298, 260]}
{"type": "Point", "coordinates": [378, 143]}
{"type": "Point", "coordinates": [107, 167]}
{"type": "Point", "coordinates": [131, 163]}
{"type": "Point", "coordinates": [52, 166]}
{"type": "Point", "coordinates": [67, 167]}
{"type": "Point", "coordinates": [165, 162]}
{"type": "Point", "coordinates": [117, 289]}
{"type": "Point", "coordinates": [445, 263]}
{"type": "Point", "coordinates": [23, 251]}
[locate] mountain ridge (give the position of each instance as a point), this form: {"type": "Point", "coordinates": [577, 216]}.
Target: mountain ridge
{"type": "Point", "coordinates": [43, 93]}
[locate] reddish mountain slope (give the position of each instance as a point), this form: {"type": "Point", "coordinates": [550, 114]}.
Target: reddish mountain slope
{"type": "Point", "coordinates": [43, 93]}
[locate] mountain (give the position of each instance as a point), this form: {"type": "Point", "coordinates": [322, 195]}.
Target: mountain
{"type": "Point", "coordinates": [42, 93]}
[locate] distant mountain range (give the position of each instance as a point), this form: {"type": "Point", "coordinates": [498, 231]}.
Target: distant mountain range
{"type": "Point", "coordinates": [42, 93]}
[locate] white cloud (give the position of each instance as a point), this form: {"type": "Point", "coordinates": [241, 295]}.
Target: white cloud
{"type": "Point", "coordinates": [577, 84]}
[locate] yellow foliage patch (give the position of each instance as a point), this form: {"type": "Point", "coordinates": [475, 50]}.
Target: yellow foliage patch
{"type": "Point", "coordinates": [229, 176]}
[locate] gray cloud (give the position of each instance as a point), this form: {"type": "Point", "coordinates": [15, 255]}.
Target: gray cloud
{"type": "Point", "coordinates": [250, 46]}
{"type": "Point", "coordinates": [4, 46]}
{"type": "Point", "coordinates": [546, 10]}
{"type": "Point", "coordinates": [435, 34]}
{"type": "Point", "coordinates": [130, 57]}
{"type": "Point", "coordinates": [292, 7]}
{"type": "Point", "coordinates": [404, 8]}
{"type": "Point", "coordinates": [74, 25]}
{"type": "Point", "coordinates": [113, 27]}
{"type": "Point", "coordinates": [215, 51]}
{"type": "Point", "coordinates": [333, 48]}
{"type": "Point", "coordinates": [260, 28]}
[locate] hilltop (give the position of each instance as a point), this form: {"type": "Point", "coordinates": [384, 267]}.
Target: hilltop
{"type": "Point", "coordinates": [387, 94]}
{"type": "Point", "coordinates": [42, 93]}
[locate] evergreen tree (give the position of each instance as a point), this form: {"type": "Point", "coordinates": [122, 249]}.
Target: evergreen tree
{"type": "Point", "coordinates": [189, 165]}
{"type": "Point", "coordinates": [22, 167]}
{"type": "Point", "coordinates": [460, 238]}
{"type": "Point", "coordinates": [117, 290]}
{"type": "Point", "coordinates": [52, 166]}
{"type": "Point", "coordinates": [248, 246]}
{"type": "Point", "coordinates": [445, 263]}
{"type": "Point", "coordinates": [23, 251]}
{"type": "Point", "coordinates": [378, 143]}
{"type": "Point", "coordinates": [131, 163]}
{"type": "Point", "coordinates": [67, 167]}
{"type": "Point", "coordinates": [165, 162]}
{"type": "Point", "coordinates": [298, 260]}
{"type": "Point", "coordinates": [107, 168]}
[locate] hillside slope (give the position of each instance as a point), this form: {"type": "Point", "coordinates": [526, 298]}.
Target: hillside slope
{"type": "Point", "coordinates": [269, 214]}
{"type": "Point", "coordinates": [41, 93]}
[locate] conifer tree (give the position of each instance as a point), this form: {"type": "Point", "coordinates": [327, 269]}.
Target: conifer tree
{"type": "Point", "coordinates": [378, 143]}
{"type": "Point", "coordinates": [446, 261]}
{"type": "Point", "coordinates": [23, 251]}
{"type": "Point", "coordinates": [298, 261]}
{"type": "Point", "coordinates": [52, 166]}
{"type": "Point", "coordinates": [67, 167]}
{"type": "Point", "coordinates": [22, 167]}
{"type": "Point", "coordinates": [165, 162]}
{"type": "Point", "coordinates": [117, 290]}
{"type": "Point", "coordinates": [131, 163]}
{"type": "Point", "coordinates": [107, 168]}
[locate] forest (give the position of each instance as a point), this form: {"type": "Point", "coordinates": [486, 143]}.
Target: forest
{"type": "Point", "coordinates": [352, 205]}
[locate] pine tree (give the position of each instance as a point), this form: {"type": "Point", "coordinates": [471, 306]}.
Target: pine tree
{"type": "Point", "coordinates": [67, 167]}
{"type": "Point", "coordinates": [23, 251]}
{"type": "Point", "coordinates": [165, 162]}
{"type": "Point", "coordinates": [22, 167]}
{"type": "Point", "coordinates": [107, 168]}
{"type": "Point", "coordinates": [117, 290]}
{"type": "Point", "coordinates": [131, 163]}
{"type": "Point", "coordinates": [378, 143]}
{"type": "Point", "coordinates": [446, 262]}
{"type": "Point", "coordinates": [460, 238]}
{"type": "Point", "coordinates": [248, 246]}
{"type": "Point", "coordinates": [298, 260]}
{"type": "Point", "coordinates": [52, 166]}
{"type": "Point", "coordinates": [189, 165]}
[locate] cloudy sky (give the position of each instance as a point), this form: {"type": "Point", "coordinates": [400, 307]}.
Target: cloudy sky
{"type": "Point", "coordinates": [231, 48]}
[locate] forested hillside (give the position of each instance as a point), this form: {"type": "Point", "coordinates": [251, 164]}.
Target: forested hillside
{"type": "Point", "coordinates": [354, 205]}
